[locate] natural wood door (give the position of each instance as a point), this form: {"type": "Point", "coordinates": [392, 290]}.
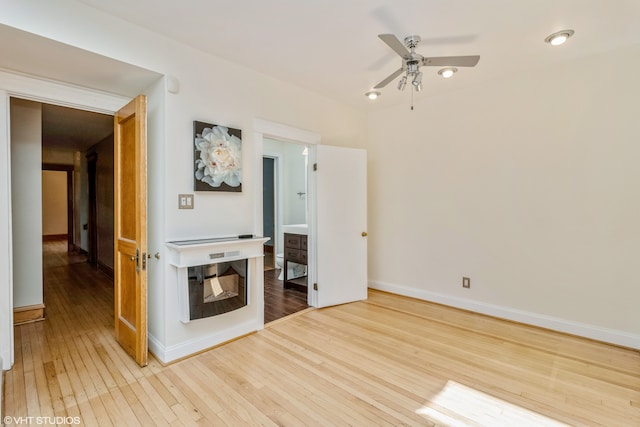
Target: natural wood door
{"type": "Point", "coordinates": [130, 228]}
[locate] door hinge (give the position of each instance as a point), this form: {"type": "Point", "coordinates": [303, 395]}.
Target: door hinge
{"type": "Point", "coordinates": [315, 167]}
{"type": "Point", "coordinates": [315, 286]}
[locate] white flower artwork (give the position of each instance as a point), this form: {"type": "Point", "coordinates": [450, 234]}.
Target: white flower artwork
{"type": "Point", "coordinates": [218, 158]}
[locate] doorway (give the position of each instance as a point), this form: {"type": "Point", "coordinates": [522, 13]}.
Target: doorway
{"type": "Point", "coordinates": [284, 203]}
{"type": "Point", "coordinates": [269, 210]}
{"type": "Point", "coordinates": [81, 142]}
{"type": "Point", "coordinates": [57, 203]}
{"type": "Point", "coordinates": [83, 89]}
{"type": "Point", "coordinates": [47, 137]}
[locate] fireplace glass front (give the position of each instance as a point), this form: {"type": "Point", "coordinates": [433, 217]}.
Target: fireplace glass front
{"type": "Point", "coordinates": [217, 288]}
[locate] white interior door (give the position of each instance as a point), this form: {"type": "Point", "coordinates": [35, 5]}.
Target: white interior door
{"type": "Point", "coordinates": [340, 225]}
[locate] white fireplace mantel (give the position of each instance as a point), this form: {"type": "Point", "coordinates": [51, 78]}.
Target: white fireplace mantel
{"type": "Point", "coordinates": [189, 253]}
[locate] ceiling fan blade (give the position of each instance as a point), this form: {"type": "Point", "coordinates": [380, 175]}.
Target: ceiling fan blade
{"type": "Point", "coordinates": [452, 61]}
{"type": "Point", "coordinates": [389, 79]}
{"type": "Point", "coordinates": [395, 44]}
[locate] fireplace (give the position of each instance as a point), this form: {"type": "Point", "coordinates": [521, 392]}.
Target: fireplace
{"type": "Point", "coordinates": [217, 288]}
{"type": "Point", "coordinates": [215, 276]}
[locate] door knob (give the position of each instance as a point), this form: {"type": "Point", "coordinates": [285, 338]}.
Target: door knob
{"type": "Point", "coordinates": [364, 234]}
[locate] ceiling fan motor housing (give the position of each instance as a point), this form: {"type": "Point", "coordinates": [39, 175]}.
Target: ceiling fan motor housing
{"type": "Point", "coordinates": [413, 66]}
{"type": "Point", "coordinates": [412, 41]}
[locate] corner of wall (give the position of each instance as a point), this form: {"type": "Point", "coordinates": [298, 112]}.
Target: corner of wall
{"type": "Point", "coordinates": [593, 332]}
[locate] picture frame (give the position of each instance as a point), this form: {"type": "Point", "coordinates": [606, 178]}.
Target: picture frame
{"type": "Point", "coordinates": [217, 158]}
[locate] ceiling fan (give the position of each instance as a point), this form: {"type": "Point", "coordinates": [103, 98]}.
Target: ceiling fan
{"type": "Point", "coordinates": [411, 61]}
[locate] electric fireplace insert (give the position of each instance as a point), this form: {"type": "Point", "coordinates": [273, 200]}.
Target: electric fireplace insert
{"type": "Point", "coordinates": [217, 288]}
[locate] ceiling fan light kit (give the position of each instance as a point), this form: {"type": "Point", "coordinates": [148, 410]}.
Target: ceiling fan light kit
{"type": "Point", "coordinates": [558, 38]}
{"type": "Point", "coordinates": [402, 83]}
{"type": "Point", "coordinates": [417, 81]}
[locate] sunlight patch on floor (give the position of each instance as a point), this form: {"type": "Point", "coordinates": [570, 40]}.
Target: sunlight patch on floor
{"type": "Point", "coordinates": [459, 405]}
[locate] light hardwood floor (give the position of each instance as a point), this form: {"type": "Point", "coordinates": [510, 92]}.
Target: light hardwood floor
{"type": "Point", "coordinates": [386, 361]}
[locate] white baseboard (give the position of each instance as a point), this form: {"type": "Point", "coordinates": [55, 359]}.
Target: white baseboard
{"type": "Point", "coordinates": [611, 336]}
{"type": "Point", "coordinates": [190, 347]}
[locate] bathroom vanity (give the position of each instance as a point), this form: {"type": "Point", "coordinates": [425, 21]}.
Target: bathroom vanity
{"type": "Point", "coordinates": [295, 250]}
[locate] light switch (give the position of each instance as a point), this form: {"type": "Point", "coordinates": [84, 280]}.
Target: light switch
{"type": "Point", "coordinates": [185, 201]}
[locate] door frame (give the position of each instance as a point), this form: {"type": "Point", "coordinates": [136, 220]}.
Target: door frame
{"type": "Point", "coordinates": [276, 207]}
{"type": "Point", "coordinates": [281, 132]}
{"type": "Point", "coordinates": [70, 219]}
{"type": "Point", "coordinates": [49, 92]}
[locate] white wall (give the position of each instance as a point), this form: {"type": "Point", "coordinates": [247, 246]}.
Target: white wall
{"type": "Point", "coordinates": [217, 92]}
{"type": "Point", "coordinates": [158, 297]}
{"type": "Point", "coordinates": [6, 244]}
{"type": "Point", "coordinates": [210, 90]}
{"type": "Point", "coordinates": [294, 182]}
{"type": "Point", "coordinates": [26, 201]}
{"type": "Point", "coordinates": [529, 186]}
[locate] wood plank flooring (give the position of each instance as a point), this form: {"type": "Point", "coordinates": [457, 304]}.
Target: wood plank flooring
{"type": "Point", "coordinates": [278, 301]}
{"type": "Point", "coordinates": [386, 361]}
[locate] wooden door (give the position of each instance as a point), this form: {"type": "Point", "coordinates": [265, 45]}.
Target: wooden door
{"type": "Point", "coordinates": [130, 228]}
{"type": "Point", "coordinates": [341, 205]}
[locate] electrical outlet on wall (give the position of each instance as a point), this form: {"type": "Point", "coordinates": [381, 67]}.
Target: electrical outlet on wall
{"type": "Point", "coordinates": [466, 282]}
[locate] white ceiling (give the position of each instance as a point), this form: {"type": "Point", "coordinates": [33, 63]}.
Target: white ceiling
{"type": "Point", "coordinates": [31, 54]}
{"type": "Point", "coordinates": [331, 46]}
{"type": "Point", "coordinates": [67, 128]}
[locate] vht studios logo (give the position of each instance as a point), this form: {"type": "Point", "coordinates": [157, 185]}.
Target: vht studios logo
{"type": "Point", "coordinates": [41, 420]}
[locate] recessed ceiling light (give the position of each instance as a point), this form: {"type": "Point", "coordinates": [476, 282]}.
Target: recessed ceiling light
{"type": "Point", "coordinates": [560, 37]}
{"type": "Point", "coordinates": [447, 72]}
{"type": "Point", "coordinates": [372, 94]}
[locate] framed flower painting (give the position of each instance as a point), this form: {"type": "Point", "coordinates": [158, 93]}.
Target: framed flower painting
{"type": "Point", "coordinates": [217, 158]}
